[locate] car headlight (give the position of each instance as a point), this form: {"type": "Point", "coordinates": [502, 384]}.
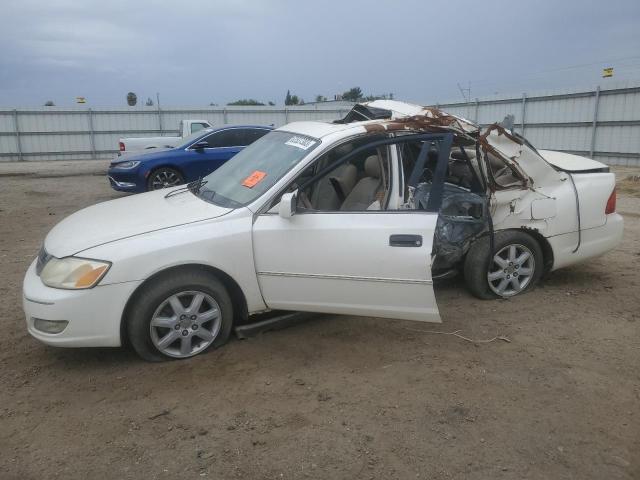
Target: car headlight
{"type": "Point", "coordinates": [128, 165]}
{"type": "Point", "coordinates": [73, 272]}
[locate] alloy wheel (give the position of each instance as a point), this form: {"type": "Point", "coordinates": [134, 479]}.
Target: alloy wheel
{"type": "Point", "coordinates": [511, 270]}
{"type": "Point", "coordinates": [185, 324]}
{"type": "Point", "coordinates": [164, 179]}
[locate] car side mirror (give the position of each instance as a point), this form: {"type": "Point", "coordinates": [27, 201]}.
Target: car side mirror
{"type": "Point", "coordinates": [287, 206]}
{"type": "Point", "coordinates": [200, 145]}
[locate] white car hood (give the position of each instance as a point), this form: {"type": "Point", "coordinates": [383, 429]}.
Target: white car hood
{"type": "Point", "coordinates": [125, 217]}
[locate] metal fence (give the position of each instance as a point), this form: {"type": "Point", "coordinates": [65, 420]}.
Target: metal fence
{"type": "Point", "coordinates": [55, 133]}
{"type": "Point", "coordinates": [602, 123]}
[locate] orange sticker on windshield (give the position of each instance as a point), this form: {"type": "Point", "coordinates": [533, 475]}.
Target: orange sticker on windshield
{"type": "Point", "coordinates": [255, 178]}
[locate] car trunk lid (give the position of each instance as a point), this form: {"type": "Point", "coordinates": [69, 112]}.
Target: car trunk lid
{"type": "Point", "coordinates": [568, 162]}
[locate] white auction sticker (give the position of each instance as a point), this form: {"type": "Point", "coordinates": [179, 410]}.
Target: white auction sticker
{"type": "Point", "coordinates": [300, 142]}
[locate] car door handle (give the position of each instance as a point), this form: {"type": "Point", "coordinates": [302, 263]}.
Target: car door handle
{"type": "Point", "coordinates": [405, 240]}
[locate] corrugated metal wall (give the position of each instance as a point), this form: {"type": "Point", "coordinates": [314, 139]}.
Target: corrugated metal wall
{"type": "Point", "coordinates": [53, 133]}
{"type": "Point", "coordinates": [603, 123]}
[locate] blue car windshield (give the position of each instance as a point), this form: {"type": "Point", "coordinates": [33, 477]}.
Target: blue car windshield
{"type": "Point", "coordinates": [256, 169]}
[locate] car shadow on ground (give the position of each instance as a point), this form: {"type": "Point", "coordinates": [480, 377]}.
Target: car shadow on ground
{"type": "Point", "coordinates": [449, 293]}
{"type": "Point", "coordinates": [90, 358]}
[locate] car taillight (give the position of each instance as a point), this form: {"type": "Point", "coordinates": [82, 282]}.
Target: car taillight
{"type": "Point", "coordinates": [121, 146]}
{"type": "Point", "coordinates": [611, 203]}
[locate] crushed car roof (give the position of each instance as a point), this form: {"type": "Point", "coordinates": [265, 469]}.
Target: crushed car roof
{"type": "Point", "coordinates": [388, 115]}
{"type": "Point", "coordinates": [391, 115]}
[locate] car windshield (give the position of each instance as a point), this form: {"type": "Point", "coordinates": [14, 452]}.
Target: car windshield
{"type": "Point", "coordinates": [256, 169]}
{"type": "Point", "coordinates": [186, 141]}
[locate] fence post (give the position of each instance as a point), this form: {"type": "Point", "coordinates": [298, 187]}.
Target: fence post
{"type": "Point", "coordinates": [477, 108]}
{"type": "Point", "coordinates": [160, 121]}
{"type": "Point", "coordinates": [225, 120]}
{"type": "Point", "coordinates": [594, 125]}
{"type": "Point", "coordinates": [92, 137]}
{"type": "Point", "coordinates": [524, 104]}
{"type": "Point", "coordinates": [286, 115]}
{"type": "Point", "coordinates": [17, 130]}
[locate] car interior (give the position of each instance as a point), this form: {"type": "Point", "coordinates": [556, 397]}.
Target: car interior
{"type": "Point", "coordinates": [362, 183]}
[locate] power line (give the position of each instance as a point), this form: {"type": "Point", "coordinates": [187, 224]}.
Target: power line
{"type": "Point", "coordinates": [529, 75]}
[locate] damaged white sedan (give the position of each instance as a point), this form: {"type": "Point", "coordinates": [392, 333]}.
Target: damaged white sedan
{"type": "Point", "coordinates": [353, 217]}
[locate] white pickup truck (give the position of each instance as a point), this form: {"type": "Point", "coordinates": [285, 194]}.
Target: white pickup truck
{"type": "Point", "coordinates": [185, 127]}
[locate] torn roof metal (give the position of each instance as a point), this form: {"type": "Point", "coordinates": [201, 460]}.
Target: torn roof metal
{"type": "Point", "coordinates": [391, 115]}
{"type": "Point", "coordinates": [381, 116]}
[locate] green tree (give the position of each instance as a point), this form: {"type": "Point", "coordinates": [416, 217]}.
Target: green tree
{"type": "Point", "coordinates": [49, 103]}
{"type": "Point", "coordinates": [321, 98]}
{"type": "Point", "coordinates": [149, 102]}
{"type": "Point", "coordinates": [132, 99]}
{"type": "Point", "coordinates": [246, 102]}
{"type": "Point", "coordinates": [353, 95]}
{"type": "Point", "coordinates": [291, 99]}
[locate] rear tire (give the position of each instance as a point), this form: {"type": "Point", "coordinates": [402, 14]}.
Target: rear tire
{"type": "Point", "coordinates": [164, 177]}
{"type": "Point", "coordinates": [179, 316]}
{"type": "Point", "coordinates": [515, 268]}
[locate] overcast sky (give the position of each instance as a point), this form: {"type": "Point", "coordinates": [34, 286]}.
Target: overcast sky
{"type": "Point", "coordinates": [200, 51]}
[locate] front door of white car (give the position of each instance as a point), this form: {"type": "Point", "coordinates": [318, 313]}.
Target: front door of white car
{"type": "Point", "coordinates": [369, 263]}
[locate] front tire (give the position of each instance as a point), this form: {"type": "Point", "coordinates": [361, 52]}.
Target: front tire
{"type": "Point", "coordinates": [180, 316]}
{"type": "Point", "coordinates": [514, 268]}
{"type": "Point", "coordinates": [164, 177]}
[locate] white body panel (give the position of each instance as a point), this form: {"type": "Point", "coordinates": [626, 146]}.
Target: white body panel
{"type": "Point", "coordinates": [570, 162]}
{"type": "Point", "coordinates": [593, 242]}
{"type": "Point", "coordinates": [223, 243]}
{"type": "Point", "coordinates": [94, 315]}
{"type": "Point", "coordinates": [342, 262]}
{"type": "Point", "coordinates": [126, 217]}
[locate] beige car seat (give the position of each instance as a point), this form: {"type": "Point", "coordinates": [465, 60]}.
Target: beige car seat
{"type": "Point", "coordinates": [325, 197]}
{"type": "Point", "coordinates": [366, 190]}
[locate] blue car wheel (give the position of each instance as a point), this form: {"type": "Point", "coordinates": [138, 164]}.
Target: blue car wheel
{"type": "Point", "coordinates": [164, 177]}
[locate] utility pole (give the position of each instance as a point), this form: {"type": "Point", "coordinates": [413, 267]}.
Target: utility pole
{"type": "Point", "coordinates": [465, 92]}
{"type": "Point", "coordinates": [159, 113]}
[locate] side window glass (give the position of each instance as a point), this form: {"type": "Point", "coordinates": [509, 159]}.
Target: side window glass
{"type": "Point", "coordinates": [225, 138]}
{"type": "Point", "coordinates": [196, 127]}
{"type": "Point", "coordinates": [359, 184]}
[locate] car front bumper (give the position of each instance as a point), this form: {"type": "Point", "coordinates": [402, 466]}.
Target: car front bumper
{"type": "Point", "coordinates": [122, 186]}
{"type": "Point", "coordinates": [93, 315]}
{"type": "Point", "coordinates": [127, 180]}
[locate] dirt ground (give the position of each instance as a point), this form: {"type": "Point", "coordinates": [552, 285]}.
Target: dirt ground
{"type": "Point", "coordinates": [337, 397]}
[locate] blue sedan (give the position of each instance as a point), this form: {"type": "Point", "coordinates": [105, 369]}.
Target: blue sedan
{"type": "Point", "coordinates": [196, 157]}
